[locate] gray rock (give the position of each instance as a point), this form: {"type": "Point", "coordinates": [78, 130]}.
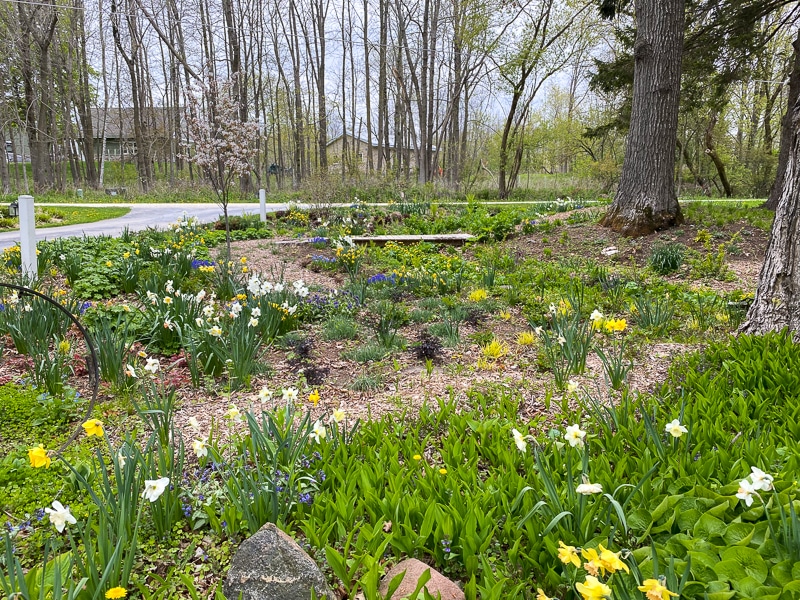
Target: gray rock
{"type": "Point", "coordinates": [271, 566]}
{"type": "Point", "coordinates": [438, 585]}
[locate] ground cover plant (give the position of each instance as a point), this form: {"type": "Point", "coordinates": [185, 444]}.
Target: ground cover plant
{"type": "Point", "coordinates": [541, 413]}
{"type": "Point", "coordinates": [47, 216]}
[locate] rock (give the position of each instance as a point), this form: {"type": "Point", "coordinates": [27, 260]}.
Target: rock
{"type": "Point", "coordinates": [271, 566]}
{"type": "Point", "coordinates": [438, 584]}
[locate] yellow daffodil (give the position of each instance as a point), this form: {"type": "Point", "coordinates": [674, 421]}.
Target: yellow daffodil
{"type": "Point", "coordinates": [611, 562]}
{"type": "Point", "coordinates": [93, 427]}
{"type": "Point", "coordinates": [540, 595]}
{"type": "Point", "coordinates": [313, 397]}
{"type": "Point", "coordinates": [593, 566]}
{"type": "Point", "coordinates": [478, 295]}
{"type": "Point", "coordinates": [109, 263]}
{"type": "Point", "coordinates": [568, 555]}
{"type": "Point", "coordinates": [116, 592]}
{"type": "Point", "coordinates": [592, 589]}
{"type": "Point", "coordinates": [38, 457]}
{"type": "Point", "coordinates": [655, 590]}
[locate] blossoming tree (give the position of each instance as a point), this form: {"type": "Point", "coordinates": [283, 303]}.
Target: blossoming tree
{"type": "Point", "coordinates": [223, 145]}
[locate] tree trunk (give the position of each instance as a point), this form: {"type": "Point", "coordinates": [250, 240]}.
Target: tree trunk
{"type": "Point", "coordinates": [786, 128]}
{"type": "Point", "coordinates": [646, 200]}
{"type": "Point", "coordinates": [711, 152]}
{"type": "Point", "coordinates": [777, 302]}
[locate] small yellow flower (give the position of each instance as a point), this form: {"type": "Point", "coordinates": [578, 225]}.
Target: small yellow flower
{"type": "Point", "coordinates": [592, 589]}
{"type": "Point", "coordinates": [109, 263]}
{"type": "Point", "coordinates": [313, 397]}
{"type": "Point", "coordinates": [63, 347]}
{"type": "Point", "coordinates": [116, 592]}
{"type": "Point", "coordinates": [443, 471]}
{"type": "Point", "coordinates": [478, 295]}
{"type": "Point", "coordinates": [417, 457]}
{"type": "Point", "coordinates": [126, 255]}
{"type": "Point", "coordinates": [93, 427]}
{"type": "Point", "coordinates": [244, 269]}
{"type": "Point", "coordinates": [655, 590]}
{"type": "Point", "coordinates": [568, 554]}
{"type": "Point", "coordinates": [611, 562]}
{"type": "Point", "coordinates": [243, 260]}
{"type": "Point", "coordinates": [540, 595]}
{"type": "Point", "coordinates": [167, 300]}
{"type": "Point", "coordinates": [504, 314]}
{"type": "Point", "coordinates": [38, 457]}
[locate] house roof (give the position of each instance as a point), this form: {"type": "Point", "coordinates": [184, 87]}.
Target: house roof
{"type": "Point", "coordinates": [119, 121]}
{"type": "Point", "coordinates": [355, 137]}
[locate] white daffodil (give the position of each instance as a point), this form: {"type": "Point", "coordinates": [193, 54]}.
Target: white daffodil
{"type": "Point", "coordinates": [279, 287]}
{"type": "Point", "coordinates": [561, 340]}
{"type": "Point", "coordinates": [236, 308]}
{"type": "Point", "coordinates": [121, 459]}
{"type": "Point", "coordinates": [130, 371]}
{"type": "Point", "coordinates": [59, 516]}
{"type": "Point", "coordinates": [265, 395]}
{"type": "Point", "coordinates": [254, 286]}
{"type": "Point", "coordinates": [253, 322]}
{"type": "Point", "coordinates": [746, 492]}
{"type": "Point", "coordinates": [761, 481]}
{"type": "Point", "coordinates": [234, 414]}
{"type": "Point", "coordinates": [318, 433]}
{"type": "Point", "coordinates": [519, 440]}
{"type": "Point", "coordinates": [200, 448]}
{"type": "Point", "coordinates": [675, 429]}
{"type": "Point", "coordinates": [215, 331]}
{"type": "Point", "coordinates": [266, 287]}
{"type": "Point", "coordinates": [338, 415]}
{"type": "Point", "coordinates": [153, 488]}
{"type": "Point", "coordinates": [289, 394]}
{"type": "Point", "coordinates": [199, 321]}
{"type": "Point", "coordinates": [169, 324]}
{"type": "Point", "coordinates": [587, 489]}
{"type": "Point", "coordinates": [596, 316]}
{"type": "Point", "coordinates": [152, 366]}
{"type": "Point", "coordinates": [169, 288]}
{"type": "Point", "coordinates": [200, 295]}
{"type": "Point", "coordinates": [208, 310]}
{"type": "Point", "coordinates": [574, 436]}
{"type": "Point", "coordinates": [572, 386]}
{"type": "Point", "coordinates": [256, 312]}
{"type": "Point", "coordinates": [194, 423]}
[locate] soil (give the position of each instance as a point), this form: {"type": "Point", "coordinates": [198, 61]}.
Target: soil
{"type": "Point", "coordinates": [404, 384]}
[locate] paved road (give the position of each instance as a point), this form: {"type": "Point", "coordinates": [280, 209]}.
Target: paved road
{"type": "Point", "coordinates": [140, 217]}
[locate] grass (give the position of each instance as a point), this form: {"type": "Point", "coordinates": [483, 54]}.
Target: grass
{"type": "Point", "coordinates": [57, 217]}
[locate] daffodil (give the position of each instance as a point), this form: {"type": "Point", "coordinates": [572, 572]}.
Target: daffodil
{"type": "Point", "coordinates": [568, 555]}
{"type": "Point", "coordinates": [746, 492]}
{"type": "Point", "coordinates": [761, 481]}
{"type": "Point", "coordinates": [540, 595]}
{"type": "Point", "coordinates": [194, 423]}
{"type": "Point", "coordinates": [572, 386]}
{"type": "Point", "coordinates": [289, 394]}
{"type": "Point", "coordinates": [313, 397]}
{"type": "Point", "coordinates": [318, 432]}
{"type": "Point", "coordinates": [265, 395]}
{"type": "Point", "coordinates": [519, 440]}
{"type": "Point", "coordinates": [200, 448]}
{"type": "Point", "coordinates": [338, 415]}
{"type": "Point", "coordinates": [587, 489]}
{"type": "Point", "coordinates": [675, 429]}
{"type": "Point", "coordinates": [152, 366]}
{"type": "Point", "coordinates": [574, 436]}
{"type": "Point", "coordinates": [130, 371]}
{"type": "Point", "coordinates": [38, 457]}
{"type": "Point", "coordinates": [592, 589]}
{"type": "Point", "coordinates": [655, 589]}
{"type": "Point", "coordinates": [153, 488]}
{"type": "Point", "coordinates": [611, 561]}
{"type": "Point", "coordinates": [215, 331]}
{"type": "Point", "coordinates": [59, 516]}
{"type": "Point", "coordinates": [93, 427]}
{"type": "Point", "coordinates": [233, 414]}
{"type": "Point", "coordinates": [167, 300]}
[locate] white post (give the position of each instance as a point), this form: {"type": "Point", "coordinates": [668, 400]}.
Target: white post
{"type": "Point", "coordinates": [27, 237]}
{"type": "Point", "coordinates": [262, 200]}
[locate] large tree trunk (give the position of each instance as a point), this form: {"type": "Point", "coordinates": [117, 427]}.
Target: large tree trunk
{"type": "Point", "coordinates": [777, 301]}
{"type": "Point", "coordinates": [786, 128]}
{"type": "Point", "coordinates": [646, 200]}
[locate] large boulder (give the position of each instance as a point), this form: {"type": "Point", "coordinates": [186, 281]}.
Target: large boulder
{"type": "Point", "coordinates": [271, 566]}
{"type": "Point", "coordinates": [438, 585]}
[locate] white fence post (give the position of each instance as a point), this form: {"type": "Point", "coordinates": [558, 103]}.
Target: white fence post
{"type": "Point", "coordinates": [262, 200]}
{"type": "Point", "coordinates": [27, 237]}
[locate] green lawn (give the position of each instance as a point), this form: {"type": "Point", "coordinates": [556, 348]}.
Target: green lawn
{"type": "Point", "coordinates": [47, 216]}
